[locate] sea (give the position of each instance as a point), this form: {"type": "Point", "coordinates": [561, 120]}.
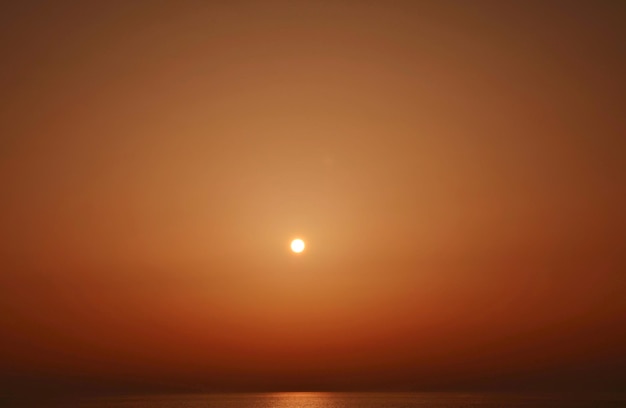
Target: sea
{"type": "Point", "coordinates": [340, 400]}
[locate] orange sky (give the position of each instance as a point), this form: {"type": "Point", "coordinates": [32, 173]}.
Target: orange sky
{"type": "Point", "coordinates": [456, 169]}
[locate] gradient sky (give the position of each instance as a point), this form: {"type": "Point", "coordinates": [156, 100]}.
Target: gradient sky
{"type": "Point", "coordinates": [457, 169]}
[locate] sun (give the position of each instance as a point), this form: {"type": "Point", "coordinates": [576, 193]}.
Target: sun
{"type": "Point", "coordinates": [297, 245]}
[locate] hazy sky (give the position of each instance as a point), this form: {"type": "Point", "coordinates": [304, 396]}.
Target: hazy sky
{"type": "Point", "coordinates": [457, 170]}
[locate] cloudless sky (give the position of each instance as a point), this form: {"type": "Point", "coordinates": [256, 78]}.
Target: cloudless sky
{"type": "Point", "coordinates": [457, 170]}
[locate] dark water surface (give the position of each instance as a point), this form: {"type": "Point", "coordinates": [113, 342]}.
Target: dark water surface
{"type": "Point", "coordinates": [347, 400]}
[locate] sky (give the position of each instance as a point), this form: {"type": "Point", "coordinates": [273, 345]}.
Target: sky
{"type": "Point", "coordinates": [456, 169]}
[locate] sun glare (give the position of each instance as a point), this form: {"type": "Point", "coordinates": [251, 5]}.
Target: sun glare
{"type": "Point", "coordinates": [297, 245]}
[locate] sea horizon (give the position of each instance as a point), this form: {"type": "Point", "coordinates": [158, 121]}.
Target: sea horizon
{"type": "Point", "coordinates": [331, 399]}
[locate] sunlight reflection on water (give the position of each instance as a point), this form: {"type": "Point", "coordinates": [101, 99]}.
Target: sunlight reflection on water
{"type": "Point", "coordinates": [351, 400]}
